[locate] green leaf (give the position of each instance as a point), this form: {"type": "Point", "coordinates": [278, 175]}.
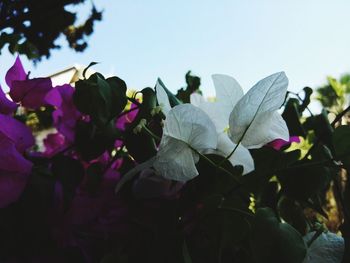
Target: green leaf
{"type": "Point", "coordinates": [307, 178]}
{"type": "Point", "coordinates": [118, 95]}
{"type": "Point", "coordinates": [341, 142]}
{"type": "Point", "coordinates": [273, 241]}
{"type": "Point", "coordinates": [322, 128]}
{"type": "Point", "coordinates": [102, 99]}
{"type": "Point", "coordinates": [293, 214]}
{"type": "Point", "coordinates": [215, 181]}
{"type": "Point", "coordinates": [292, 116]}
{"type": "Point", "coordinates": [133, 141]}
{"type": "Point", "coordinates": [193, 83]}
{"type": "Point", "coordinates": [90, 65]}
{"type": "Point", "coordinates": [267, 161]}
{"type": "Point", "coordinates": [172, 98]}
{"type": "Point", "coordinates": [186, 254]}
{"type": "Point", "coordinates": [308, 92]}
{"type": "Point", "coordinates": [226, 226]}
{"type": "Point", "coordinates": [91, 141]}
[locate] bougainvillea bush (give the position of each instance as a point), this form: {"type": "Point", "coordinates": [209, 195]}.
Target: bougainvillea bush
{"type": "Point", "coordinates": [96, 173]}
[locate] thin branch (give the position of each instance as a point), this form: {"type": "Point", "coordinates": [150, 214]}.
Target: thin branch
{"type": "Point", "coordinates": [339, 116]}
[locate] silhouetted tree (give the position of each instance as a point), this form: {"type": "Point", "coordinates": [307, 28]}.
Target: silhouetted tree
{"type": "Point", "coordinates": [31, 27]}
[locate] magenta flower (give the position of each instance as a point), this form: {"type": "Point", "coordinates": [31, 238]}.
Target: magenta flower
{"type": "Point", "coordinates": [15, 138]}
{"type": "Point", "coordinates": [6, 106]}
{"type": "Point", "coordinates": [14, 172]}
{"type": "Point", "coordinates": [66, 114]}
{"type": "Point", "coordinates": [15, 131]}
{"type": "Point", "coordinates": [54, 143]}
{"type": "Point", "coordinates": [100, 215]}
{"type": "Point", "coordinates": [127, 118]}
{"type": "Point", "coordinates": [29, 92]}
{"type": "Point", "coordinates": [15, 73]}
{"type": "Point", "coordinates": [279, 143]}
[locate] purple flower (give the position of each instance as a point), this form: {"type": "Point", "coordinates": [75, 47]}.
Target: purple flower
{"type": "Point", "coordinates": [279, 143]}
{"type": "Point", "coordinates": [14, 172]}
{"type": "Point", "coordinates": [54, 143]}
{"type": "Point", "coordinates": [6, 106]}
{"type": "Point", "coordinates": [15, 138]}
{"type": "Point", "coordinates": [15, 73]}
{"type": "Point", "coordinates": [66, 114]}
{"type": "Point", "coordinates": [127, 118]}
{"type": "Point", "coordinates": [29, 92]}
{"type": "Point", "coordinates": [15, 131]}
{"type": "Point", "coordinates": [99, 215]}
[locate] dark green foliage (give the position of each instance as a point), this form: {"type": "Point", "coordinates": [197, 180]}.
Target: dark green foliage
{"type": "Point", "coordinates": [292, 212]}
{"type": "Point", "coordinates": [140, 154]}
{"type": "Point", "coordinates": [341, 141]}
{"type": "Point", "coordinates": [267, 162]}
{"type": "Point", "coordinates": [222, 222]}
{"type": "Point", "coordinates": [321, 127]}
{"type": "Point", "coordinates": [292, 115]}
{"type": "Point", "coordinates": [307, 98]}
{"type": "Point", "coordinates": [69, 172]}
{"type": "Point", "coordinates": [193, 83]}
{"type": "Point", "coordinates": [102, 99]}
{"type": "Point", "coordinates": [173, 100]}
{"type": "Point", "coordinates": [308, 178]}
{"type": "Point", "coordinates": [91, 141]}
{"type": "Point", "coordinates": [32, 27]}
{"type": "Point", "coordinates": [273, 241]}
{"type": "Point", "coordinates": [149, 102]}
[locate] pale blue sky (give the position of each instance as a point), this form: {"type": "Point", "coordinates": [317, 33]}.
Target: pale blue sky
{"type": "Point", "coordinates": [141, 40]}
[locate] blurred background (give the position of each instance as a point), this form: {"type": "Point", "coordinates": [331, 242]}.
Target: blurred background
{"type": "Point", "coordinates": [141, 40]}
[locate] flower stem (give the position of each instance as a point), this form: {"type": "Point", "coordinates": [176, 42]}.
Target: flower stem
{"type": "Point", "coordinates": [151, 133]}
{"type": "Point", "coordinates": [133, 100]}
{"type": "Point", "coordinates": [126, 112]}
{"type": "Point", "coordinates": [214, 164]}
{"type": "Point", "coordinates": [339, 116]}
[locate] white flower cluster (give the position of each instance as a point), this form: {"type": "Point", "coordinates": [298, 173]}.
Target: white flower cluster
{"type": "Point", "coordinates": [233, 123]}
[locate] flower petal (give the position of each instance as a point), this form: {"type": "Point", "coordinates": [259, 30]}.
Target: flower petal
{"type": "Point", "coordinates": [279, 143]}
{"type": "Point", "coordinates": [14, 172]}
{"type": "Point", "coordinates": [175, 160]}
{"type": "Point", "coordinates": [217, 113]}
{"type": "Point", "coordinates": [6, 106]}
{"type": "Point", "coordinates": [266, 127]}
{"type": "Point", "coordinates": [17, 132]}
{"type": "Point", "coordinates": [215, 110]}
{"type": "Point", "coordinates": [16, 72]}
{"type": "Point", "coordinates": [327, 248]}
{"type": "Point", "coordinates": [66, 114]}
{"type": "Point", "coordinates": [228, 90]}
{"type": "Point", "coordinates": [151, 185]}
{"type": "Point", "coordinates": [162, 97]}
{"type": "Point", "coordinates": [265, 96]}
{"type": "Point", "coordinates": [30, 93]}
{"type": "Point", "coordinates": [196, 99]}
{"type": "Point", "coordinates": [191, 125]}
{"type": "Point", "coordinates": [241, 156]}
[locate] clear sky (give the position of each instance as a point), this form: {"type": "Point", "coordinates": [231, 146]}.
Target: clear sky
{"type": "Point", "coordinates": [140, 40]}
